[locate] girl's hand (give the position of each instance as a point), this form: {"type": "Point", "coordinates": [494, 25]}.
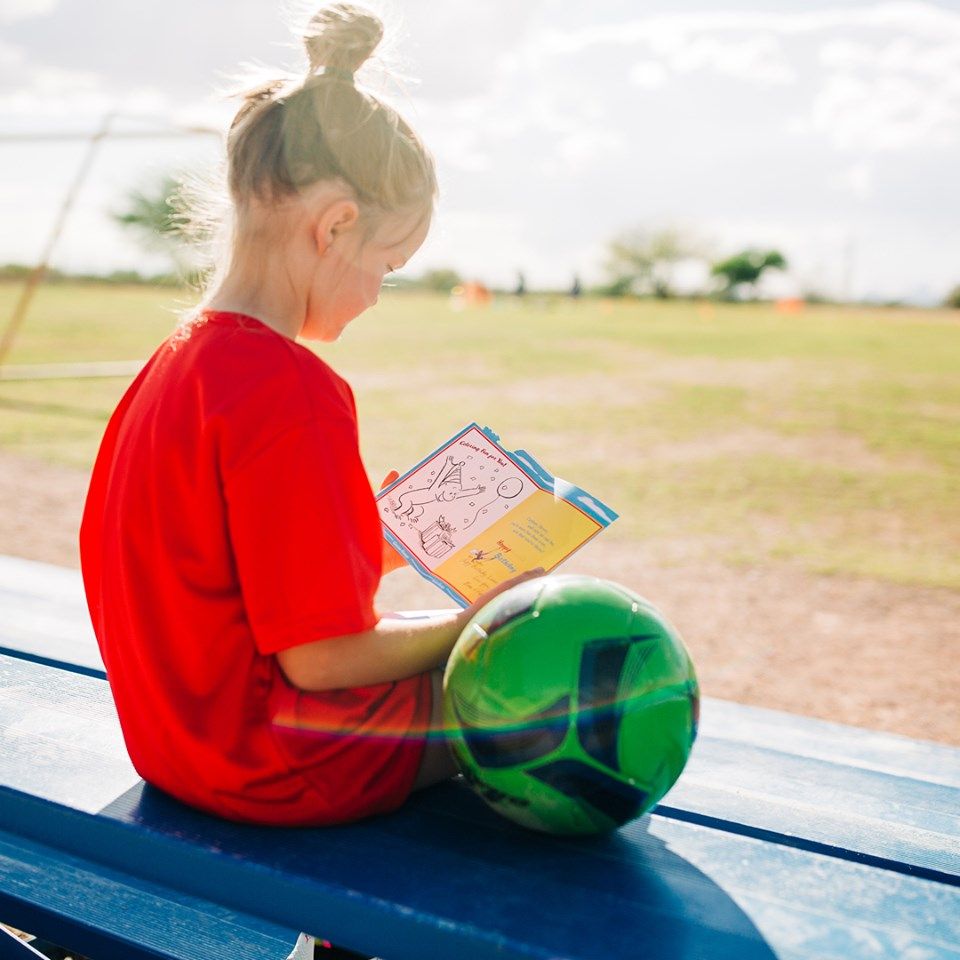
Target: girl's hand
{"type": "Point", "coordinates": [392, 560]}
{"type": "Point", "coordinates": [483, 600]}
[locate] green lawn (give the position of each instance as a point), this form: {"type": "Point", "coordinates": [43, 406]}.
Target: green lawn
{"type": "Point", "coordinates": [830, 438]}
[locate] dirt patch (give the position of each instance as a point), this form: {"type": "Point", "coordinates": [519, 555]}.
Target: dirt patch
{"type": "Point", "coordinates": [856, 651]}
{"type": "Point", "coordinates": [41, 508]}
{"type": "Point", "coordinates": [853, 650]}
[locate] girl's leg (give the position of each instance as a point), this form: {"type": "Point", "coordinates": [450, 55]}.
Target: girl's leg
{"type": "Point", "coordinates": [437, 763]}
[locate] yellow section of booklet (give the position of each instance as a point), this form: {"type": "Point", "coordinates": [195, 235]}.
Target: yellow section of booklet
{"type": "Point", "coordinates": [537, 534]}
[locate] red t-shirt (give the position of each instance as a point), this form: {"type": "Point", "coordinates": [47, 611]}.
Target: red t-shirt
{"type": "Point", "coordinates": [229, 517]}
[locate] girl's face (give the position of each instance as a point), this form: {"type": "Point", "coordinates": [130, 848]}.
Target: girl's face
{"type": "Point", "coordinates": [350, 273]}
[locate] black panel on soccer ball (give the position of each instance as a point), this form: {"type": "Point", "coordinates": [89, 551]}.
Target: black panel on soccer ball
{"type": "Point", "coordinates": [540, 735]}
{"type": "Point", "coordinates": [600, 708]}
{"type": "Point", "coordinates": [617, 800]}
{"type": "Point", "coordinates": [598, 717]}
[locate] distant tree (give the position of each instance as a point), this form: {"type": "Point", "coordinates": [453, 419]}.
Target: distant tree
{"type": "Point", "coordinates": [615, 288]}
{"type": "Point", "coordinates": [441, 280]}
{"type": "Point", "coordinates": [641, 261]}
{"type": "Point", "coordinates": [15, 271]}
{"type": "Point", "coordinates": [155, 216]}
{"type": "Point", "coordinates": [953, 298]}
{"type": "Point", "coordinates": [21, 271]}
{"type": "Point", "coordinates": [747, 268]}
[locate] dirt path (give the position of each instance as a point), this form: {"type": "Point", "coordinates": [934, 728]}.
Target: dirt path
{"type": "Point", "coordinates": [852, 650]}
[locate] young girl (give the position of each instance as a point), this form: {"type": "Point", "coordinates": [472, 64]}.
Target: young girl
{"type": "Point", "coordinates": [231, 546]}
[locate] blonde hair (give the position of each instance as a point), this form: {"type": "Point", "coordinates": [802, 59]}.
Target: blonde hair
{"type": "Point", "coordinates": [292, 133]}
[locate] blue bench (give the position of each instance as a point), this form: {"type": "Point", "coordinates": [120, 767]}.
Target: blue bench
{"type": "Point", "coordinates": [786, 837]}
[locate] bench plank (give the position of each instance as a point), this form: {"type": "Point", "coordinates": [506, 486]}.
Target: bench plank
{"type": "Point", "coordinates": [842, 909]}
{"type": "Point", "coordinates": [834, 742]}
{"type": "Point", "coordinates": [906, 821]}
{"type": "Point", "coordinates": [13, 948]}
{"type": "Point", "coordinates": [446, 877]}
{"type": "Point", "coordinates": [45, 615]}
{"type": "Point", "coordinates": [61, 739]}
{"type": "Point", "coordinates": [110, 915]}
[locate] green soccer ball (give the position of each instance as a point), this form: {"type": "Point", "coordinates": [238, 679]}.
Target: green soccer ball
{"type": "Point", "coordinates": [571, 704]}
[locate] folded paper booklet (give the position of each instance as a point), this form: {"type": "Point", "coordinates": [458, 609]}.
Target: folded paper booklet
{"type": "Point", "coordinates": [472, 515]}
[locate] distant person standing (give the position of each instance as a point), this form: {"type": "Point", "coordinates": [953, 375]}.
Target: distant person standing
{"type": "Point", "coordinates": [575, 289]}
{"type": "Point", "coordinates": [521, 287]}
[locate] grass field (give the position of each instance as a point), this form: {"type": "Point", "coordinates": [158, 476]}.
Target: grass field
{"type": "Point", "coordinates": [731, 432]}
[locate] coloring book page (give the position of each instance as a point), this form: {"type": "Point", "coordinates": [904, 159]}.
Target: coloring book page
{"type": "Point", "coordinates": [472, 515]}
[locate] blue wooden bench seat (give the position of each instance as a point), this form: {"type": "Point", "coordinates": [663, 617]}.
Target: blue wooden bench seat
{"type": "Point", "coordinates": [43, 616]}
{"type": "Point", "coordinates": [786, 837]}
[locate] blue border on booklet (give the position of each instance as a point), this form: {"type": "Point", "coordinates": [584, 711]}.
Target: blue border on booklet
{"type": "Point", "coordinates": [547, 482]}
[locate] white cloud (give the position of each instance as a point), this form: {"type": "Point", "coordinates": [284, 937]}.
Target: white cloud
{"type": "Point", "coordinates": [10, 56]}
{"type": "Point", "coordinates": [576, 152]}
{"type": "Point", "coordinates": [685, 42]}
{"type": "Point", "coordinates": [667, 32]}
{"type": "Point", "coordinates": [889, 94]}
{"type": "Point", "coordinates": [649, 74]}
{"type": "Point", "coordinates": [14, 10]}
{"type": "Point", "coordinates": [884, 112]}
{"type": "Point", "coordinates": [54, 97]}
{"type": "Point", "coordinates": [758, 58]}
{"type": "Point", "coordinates": [460, 132]}
{"type": "Point", "coordinates": [857, 180]}
{"type": "Point", "coordinates": [897, 83]}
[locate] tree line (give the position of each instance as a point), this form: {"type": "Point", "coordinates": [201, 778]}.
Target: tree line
{"type": "Point", "coordinates": [643, 262]}
{"type": "Point", "coordinates": [639, 262]}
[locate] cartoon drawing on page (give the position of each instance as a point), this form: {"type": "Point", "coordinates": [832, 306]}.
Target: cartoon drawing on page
{"type": "Point", "coordinates": [496, 553]}
{"type": "Point", "coordinates": [507, 490]}
{"type": "Point", "coordinates": [447, 485]}
{"type": "Point", "coordinates": [436, 540]}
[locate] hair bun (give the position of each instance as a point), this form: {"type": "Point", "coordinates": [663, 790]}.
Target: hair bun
{"type": "Point", "coordinates": [342, 36]}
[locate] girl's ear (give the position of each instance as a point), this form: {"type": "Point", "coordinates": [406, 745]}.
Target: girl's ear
{"type": "Point", "coordinates": [338, 218]}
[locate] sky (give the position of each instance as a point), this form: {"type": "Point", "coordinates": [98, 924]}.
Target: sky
{"type": "Point", "coordinates": [830, 131]}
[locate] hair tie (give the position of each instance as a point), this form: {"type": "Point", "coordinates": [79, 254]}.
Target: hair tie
{"type": "Point", "coordinates": [334, 73]}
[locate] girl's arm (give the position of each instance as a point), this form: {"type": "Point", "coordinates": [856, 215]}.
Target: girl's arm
{"type": "Point", "coordinates": [391, 650]}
